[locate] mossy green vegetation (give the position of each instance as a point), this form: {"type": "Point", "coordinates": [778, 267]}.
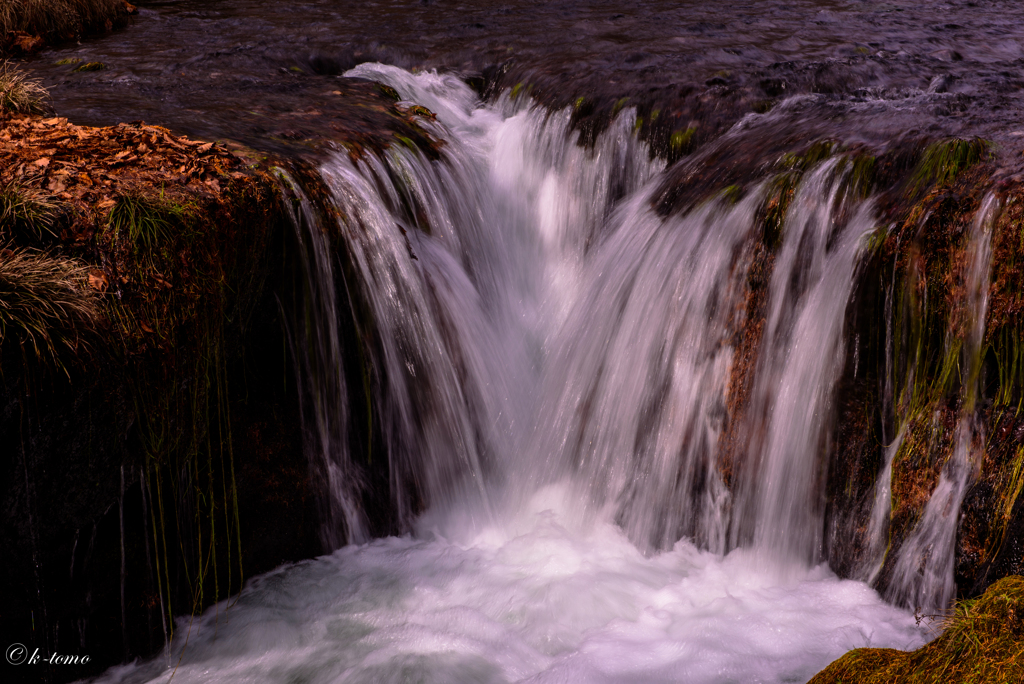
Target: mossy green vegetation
{"type": "Point", "coordinates": [1004, 337]}
{"type": "Point", "coordinates": [862, 175]}
{"type": "Point", "coordinates": [943, 161]}
{"type": "Point", "coordinates": [816, 153]}
{"type": "Point", "coordinates": [421, 111]}
{"type": "Point", "coordinates": [983, 643]}
{"type": "Point", "coordinates": [773, 212]}
{"type": "Point", "coordinates": [680, 141]}
{"type": "Point", "coordinates": [389, 92]}
{"type": "Point", "coordinates": [90, 66]}
{"type": "Point", "coordinates": [149, 227]}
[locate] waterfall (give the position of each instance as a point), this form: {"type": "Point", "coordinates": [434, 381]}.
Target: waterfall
{"type": "Point", "coordinates": [923, 573]}
{"type": "Point", "coordinates": [535, 320]}
{"type": "Point", "coordinates": [320, 369]}
{"type": "Point", "coordinates": [800, 363]}
{"type": "Point", "coordinates": [464, 266]}
{"type": "Point", "coordinates": [636, 385]}
{"type": "Point", "coordinates": [550, 365]}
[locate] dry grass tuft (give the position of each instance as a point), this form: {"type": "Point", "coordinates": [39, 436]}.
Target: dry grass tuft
{"type": "Point", "coordinates": [983, 642]}
{"type": "Point", "coordinates": [60, 18]}
{"type": "Point", "coordinates": [20, 94]}
{"type": "Point", "coordinates": [46, 303]}
{"type": "Point", "coordinates": [27, 212]}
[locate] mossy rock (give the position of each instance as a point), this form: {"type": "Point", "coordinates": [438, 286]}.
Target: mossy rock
{"type": "Point", "coordinates": [90, 66]}
{"type": "Point", "coordinates": [983, 642]}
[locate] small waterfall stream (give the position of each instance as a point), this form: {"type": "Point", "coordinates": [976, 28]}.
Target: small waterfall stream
{"type": "Point", "coordinates": [923, 575]}
{"type": "Point", "coordinates": [800, 364]}
{"type": "Point", "coordinates": [551, 364]}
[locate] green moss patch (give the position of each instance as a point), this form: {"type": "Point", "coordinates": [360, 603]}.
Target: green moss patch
{"type": "Point", "coordinates": [943, 161]}
{"type": "Point", "coordinates": [983, 642]}
{"type": "Point", "coordinates": [90, 66]}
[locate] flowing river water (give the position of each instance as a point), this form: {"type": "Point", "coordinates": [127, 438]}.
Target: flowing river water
{"type": "Point", "coordinates": [553, 357]}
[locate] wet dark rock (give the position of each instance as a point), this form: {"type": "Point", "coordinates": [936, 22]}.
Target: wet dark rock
{"type": "Point", "coordinates": [941, 84]}
{"type": "Point", "coordinates": [773, 87]}
{"type": "Point", "coordinates": [336, 64]}
{"type": "Point", "coordinates": [948, 55]}
{"type": "Point", "coordinates": [179, 375]}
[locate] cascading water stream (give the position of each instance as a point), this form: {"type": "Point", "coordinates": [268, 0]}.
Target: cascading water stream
{"type": "Point", "coordinates": [800, 362]}
{"type": "Point", "coordinates": [923, 574]}
{"type": "Point", "coordinates": [323, 392]}
{"type": "Point", "coordinates": [635, 386]}
{"type": "Point", "coordinates": [551, 364]}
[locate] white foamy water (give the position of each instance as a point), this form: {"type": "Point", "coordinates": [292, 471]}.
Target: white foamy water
{"type": "Point", "coordinates": [551, 367]}
{"type": "Point", "coordinates": [535, 601]}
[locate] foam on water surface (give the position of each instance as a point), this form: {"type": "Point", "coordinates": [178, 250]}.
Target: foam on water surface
{"type": "Point", "coordinates": [540, 600]}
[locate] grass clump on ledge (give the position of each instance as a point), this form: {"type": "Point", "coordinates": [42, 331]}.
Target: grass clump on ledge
{"type": "Point", "coordinates": [148, 223]}
{"type": "Point", "coordinates": [20, 94]}
{"type": "Point", "coordinates": [46, 303]}
{"type": "Point", "coordinates": [983, 642]}
{"type": "Point", "coordinates": [27, 212]}
{"type": "Point", "coordinates": [60, 18]}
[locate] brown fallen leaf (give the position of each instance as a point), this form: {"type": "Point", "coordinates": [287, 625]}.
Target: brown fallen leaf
{"type": "Point", "coordinates": [42, 163]}
{"type": "Point", "coordinates": [169, 141]}
{"type": "Point", "coordinates": [26, 42]}
{"type": "Point", "coordinates": [98, 280]}
{"type": "Point", "coordinates": [206, 147]}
